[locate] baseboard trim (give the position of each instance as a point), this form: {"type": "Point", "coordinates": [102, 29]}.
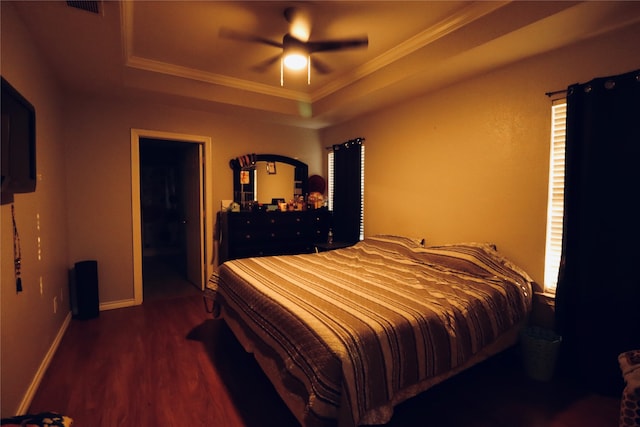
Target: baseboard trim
{"type": "Point", "coordinates": [112, 305]}
{"type": "Point", "coordinates": [23, 408]}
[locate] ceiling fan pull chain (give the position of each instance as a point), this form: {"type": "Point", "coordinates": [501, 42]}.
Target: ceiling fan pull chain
{"type": "Point", "coordinates": [308, 69]}
{"type": "Point", "coordinates": [282, 71]}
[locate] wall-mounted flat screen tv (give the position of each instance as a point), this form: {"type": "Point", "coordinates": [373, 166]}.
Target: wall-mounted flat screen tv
{"type": "Point", "coordinates": [18, 156]}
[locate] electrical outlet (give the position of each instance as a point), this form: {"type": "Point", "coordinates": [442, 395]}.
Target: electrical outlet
{"type": "Point", "coordinates": [55, 305]}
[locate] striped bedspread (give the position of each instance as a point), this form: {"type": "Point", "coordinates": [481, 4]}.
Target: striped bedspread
{"type": "Point", "coordinates": [348, 330]}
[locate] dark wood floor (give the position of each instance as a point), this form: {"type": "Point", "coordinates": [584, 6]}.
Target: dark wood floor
{"type": "Point", "coordinates": [164, 276]}
{"type": "Point", "coordinates": [167, 363]}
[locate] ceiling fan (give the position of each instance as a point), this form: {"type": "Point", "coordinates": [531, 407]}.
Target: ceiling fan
{"type": "Point", "coordinates": [296, 46]}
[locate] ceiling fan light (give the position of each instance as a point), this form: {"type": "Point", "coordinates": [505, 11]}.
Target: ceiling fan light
{"type": "Point", "coordinates": [295, 61]}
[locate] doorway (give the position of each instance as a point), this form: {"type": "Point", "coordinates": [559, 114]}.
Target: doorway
{"type": "Point", "coordinates": [169, 205]}
{"type": "Point", "coordinates": [164, 195]}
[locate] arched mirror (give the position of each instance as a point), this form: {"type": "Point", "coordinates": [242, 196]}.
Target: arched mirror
{"type": "Point", "coordinates": [264, 178]}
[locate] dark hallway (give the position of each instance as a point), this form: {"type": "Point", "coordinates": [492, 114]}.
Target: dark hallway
{"type": "Point", "coordinates": [162, 179]}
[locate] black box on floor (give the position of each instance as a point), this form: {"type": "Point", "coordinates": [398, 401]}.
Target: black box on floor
{"type": "Point", "coordinates": [83, 290]}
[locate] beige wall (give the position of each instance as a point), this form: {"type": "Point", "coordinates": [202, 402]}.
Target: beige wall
{"type": "Point", "coordinates": [28, 325]}
{"type": "Point", "coordinates": [470, 162]}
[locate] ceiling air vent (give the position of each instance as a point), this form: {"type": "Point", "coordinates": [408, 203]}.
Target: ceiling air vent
{"type": "Point", "coordinates": [89, 6]}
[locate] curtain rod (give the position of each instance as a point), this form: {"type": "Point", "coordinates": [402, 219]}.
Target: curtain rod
{"type": "Point", "coordinates": [358, 140]}
{"type": "Point", "coordinates": [557, 92]}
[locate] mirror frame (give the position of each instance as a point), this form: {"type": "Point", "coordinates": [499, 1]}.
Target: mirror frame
{"type": "Point", "coordinates": [301, 172]}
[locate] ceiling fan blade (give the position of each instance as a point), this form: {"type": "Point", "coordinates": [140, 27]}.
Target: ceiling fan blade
{"type": "Point", "coordinates": [328, 45]}
{"type": "Point", "coordinates": [228, 33]}
{"type": "Point", "coordinates": [264, 65]}
{"type": "Point", "coordinates": [299, 23]}
{"type": "Point", "coordinates": [320, 66]}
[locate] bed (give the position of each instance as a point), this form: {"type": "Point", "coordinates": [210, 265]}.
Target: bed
{"type": "Point", "coordinates": [345, 335]}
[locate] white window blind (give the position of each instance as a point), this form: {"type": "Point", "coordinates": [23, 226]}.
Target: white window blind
{"type": "Point", "coordinates": [330, 187]}
{"type": "Point", "coordinates": [555, 203]}
{"type": "Point", "coordinates": [362, 192]}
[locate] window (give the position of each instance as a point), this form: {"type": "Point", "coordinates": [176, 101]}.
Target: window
{"type": "Point", "coordinates": [555, 203]}
{"type": "Point", "coordinates": [330, 187]}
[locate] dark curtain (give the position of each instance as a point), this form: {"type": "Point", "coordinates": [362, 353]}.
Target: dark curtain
{"type": "Point", "coordinates": [347, 196]}
{"type": "Point", "coordinates": [598, 293]}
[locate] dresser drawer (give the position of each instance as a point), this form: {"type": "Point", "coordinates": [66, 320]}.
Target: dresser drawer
{"type": "Point", "coordinates": [257, 234]}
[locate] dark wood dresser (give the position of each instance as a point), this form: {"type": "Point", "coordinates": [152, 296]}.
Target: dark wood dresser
{"type": "Point", "coordinates": [249, 234]}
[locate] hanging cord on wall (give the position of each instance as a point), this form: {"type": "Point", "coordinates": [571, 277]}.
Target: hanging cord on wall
{"type": "Point", "coordinates": [17, 256]}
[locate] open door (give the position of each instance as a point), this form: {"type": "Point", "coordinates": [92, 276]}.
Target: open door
{"type": "Point", "coordinates": [194, 219]}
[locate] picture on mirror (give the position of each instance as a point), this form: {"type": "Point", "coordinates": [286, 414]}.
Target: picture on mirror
{"type": "Point", "coordinates": [271, 168]}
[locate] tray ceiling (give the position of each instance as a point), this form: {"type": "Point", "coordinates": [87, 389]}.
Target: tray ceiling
{"type": "Point", "coordinates": [171, 51]}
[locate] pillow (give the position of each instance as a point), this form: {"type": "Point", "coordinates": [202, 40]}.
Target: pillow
{"type": "Point", "coordinates": [476, 259]}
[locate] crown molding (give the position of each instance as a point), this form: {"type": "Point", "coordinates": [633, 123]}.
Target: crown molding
{"type": "Point", "coordinates": [446, 26]}
{"type": "Point", "coordinates": [462, 17]}
{"type": "Point", "coordinates": [151, 65]}
{"type": "Point", "coordinates": [146, 64]}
